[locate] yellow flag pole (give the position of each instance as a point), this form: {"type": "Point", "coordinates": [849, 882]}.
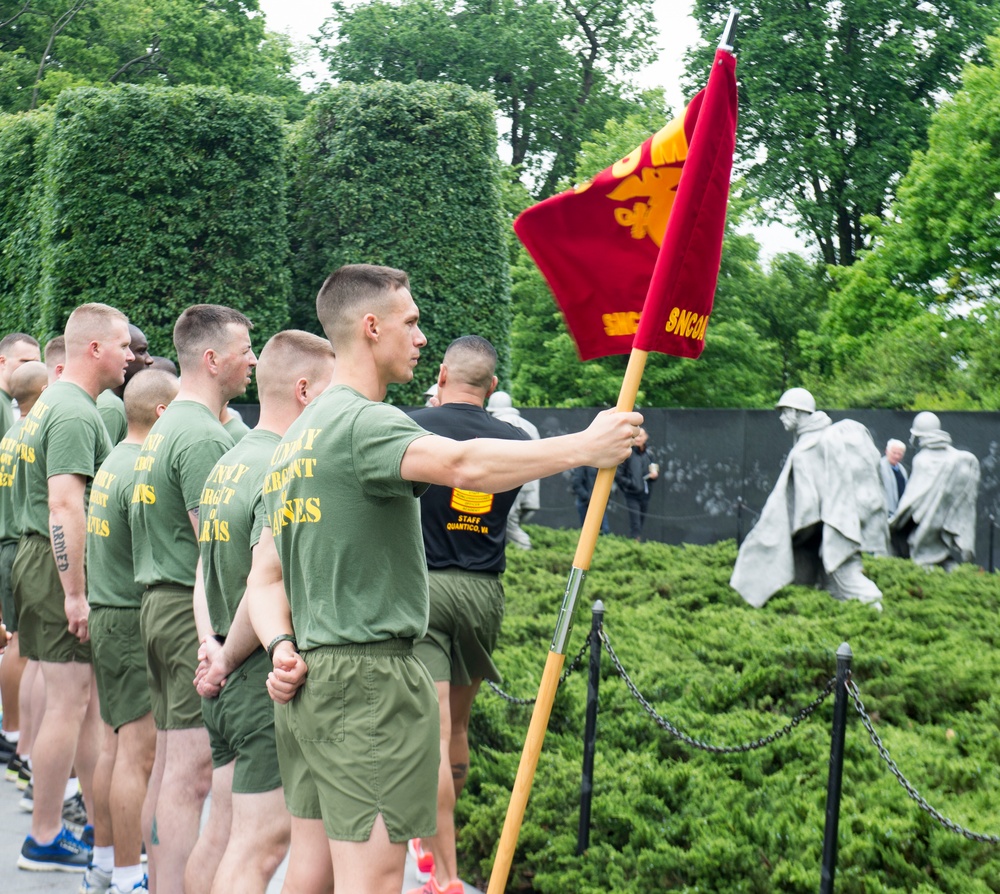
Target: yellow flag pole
{"type": "Point", "coordinates": [557, 651]}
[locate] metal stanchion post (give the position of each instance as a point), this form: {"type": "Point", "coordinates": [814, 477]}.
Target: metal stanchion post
{"type": "Point", "coordinates": [739, 521]}
{"type": "Point", "coordinates": [590, 728]}
{"type": "Point", "coordinates": [829, 868]}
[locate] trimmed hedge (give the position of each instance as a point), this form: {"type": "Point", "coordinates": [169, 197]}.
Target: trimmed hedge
{"type": "Point", "coordinates": [23, 141]}
{"type": "Point", "coordinates": [159, 198]}
{"type": "Point", "coordinates": [668, 817]}
{"type": "Point", "coordinates": [406, 176]}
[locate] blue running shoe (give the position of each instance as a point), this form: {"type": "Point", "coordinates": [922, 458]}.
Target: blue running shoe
{"type": "Point", "coordinates": [138, 888]}
{"type": "Point", "coordinates": [65, 854]}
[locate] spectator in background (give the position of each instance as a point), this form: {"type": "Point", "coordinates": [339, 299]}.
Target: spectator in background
{"type": "Point", "coordinates": [635, 477]}
{"type": "Point", "coordinates": [893, 474]}
{"type": "Point", "coordinates": [15, 349]}
{"type": "Point", "coordinates": [582, 483]}
{"type": "Point", "coordinates": [527, 502]}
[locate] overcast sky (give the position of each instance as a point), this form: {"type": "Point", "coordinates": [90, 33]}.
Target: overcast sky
{"type": "Point", "coordinates": [302, 18]}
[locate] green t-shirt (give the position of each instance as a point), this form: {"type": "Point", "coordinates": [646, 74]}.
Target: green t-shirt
{"type": "Point", "coordinates": [346, 525]}
{"type": "Point", "coordinates": [237, 429]}
{"type": "Point", "coordinates": [110, 581]}
{"type": "Point", "coordinates": [231, 517]}
{"type": "Point", "coordinates": [112, 410]}
{"type": "Point", "coordinates": [170, 472]}
{"type": "Point", "coordinates": [9, 530]}
{"type": "Point", "coordinates": [62, 435]}
{"type": "Point", "coordinates": [6, 412]}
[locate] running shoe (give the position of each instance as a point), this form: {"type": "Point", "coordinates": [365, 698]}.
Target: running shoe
{"type": "Point", "coordinates": [96, 881]}
{"type": "Point", "coordinates": [66, 854]}
{"type": "Point", "coordinates": [423, 859]}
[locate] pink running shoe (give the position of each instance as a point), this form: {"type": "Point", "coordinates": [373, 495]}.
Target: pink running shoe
{"type": "Point", "coordinates": [423, 859]}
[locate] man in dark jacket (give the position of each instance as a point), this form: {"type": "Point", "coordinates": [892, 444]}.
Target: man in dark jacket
{"type": "Point", "coordinates": [635, 477]}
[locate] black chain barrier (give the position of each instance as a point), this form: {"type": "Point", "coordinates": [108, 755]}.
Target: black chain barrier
{"type": "Point", "coordinates": [573, 665]}
{"type": "Point", "coordinates": [952, 826]}
{"type": "Point", "coordinates": [665, 724]}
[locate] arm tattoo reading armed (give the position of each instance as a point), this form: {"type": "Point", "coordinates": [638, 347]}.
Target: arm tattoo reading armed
{"type": "Point", "coordinates": [59, 548]}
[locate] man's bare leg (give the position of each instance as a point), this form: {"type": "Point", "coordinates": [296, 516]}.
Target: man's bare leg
{"type": "Point", "coordinates": [309, 867]}
{"type": "Point", "coordinates": [258, 842]}
{"type": "Point", "coordinates": [150, 833]}
{"type": "Point", "coordinates": [455, 703]}
{"type": "Point", "coordinates": [207, 853]}
{"type": "Point", "coordinates": [187, 779]}
{"type": "Point", "coordinates": [67, 694]}
{"type": "Point", "coordinates": [103, 770]}
{"type": "Point", "coordinates": [31, 699]}
{"type": "Point", "coordinates": [11, 672]}
{"type": "Point", "coordinates": [132, 769]}
{"type": "Point", "coordinates": [374, 866]}
{"type": "Point", "coordinates": [88, 746]}
{"type": "Point", "coordinates": [461, 710]}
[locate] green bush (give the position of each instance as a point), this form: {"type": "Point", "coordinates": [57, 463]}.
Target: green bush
{"type": "Point", "coordinates": [406, 176]}
{"type": "Point", "coordinates": [669, 817]}
{"type": "Point", "coordinates": [159, 198]}
{"type": "Point", "coordinates": [23, 140]}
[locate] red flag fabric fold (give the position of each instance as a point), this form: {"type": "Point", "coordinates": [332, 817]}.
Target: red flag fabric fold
{"type": "Point", "coordinates": [598, 245]}
{"type": "Point", "coordinates": [676, 311]}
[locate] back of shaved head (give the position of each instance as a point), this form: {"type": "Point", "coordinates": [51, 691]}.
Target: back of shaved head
{"type": "Point", "coordinates": [145, 391]}
{"type": "Point", "coordinates": [471, 360]}
{"type": "Point", "coordinates": [289, 356]}
{"type": "Point", "coordinates": [27, 382]}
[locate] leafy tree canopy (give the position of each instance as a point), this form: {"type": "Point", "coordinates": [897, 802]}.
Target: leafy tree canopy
{"type": "Point", "coordinates": [835, 98]}
{"type": "Point", "coordinates": [922, 304]}
{"type": "Point", "coordinates": [556, 68]}
{"type": "Point", "coordinates": [47, 46]}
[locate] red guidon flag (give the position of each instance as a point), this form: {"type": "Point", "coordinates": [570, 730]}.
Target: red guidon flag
{"type": "Point", "coordinates": [651, 223]}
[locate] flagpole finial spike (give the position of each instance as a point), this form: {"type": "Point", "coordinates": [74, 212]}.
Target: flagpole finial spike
{"type": "Point", "coordinates": [729, 34]}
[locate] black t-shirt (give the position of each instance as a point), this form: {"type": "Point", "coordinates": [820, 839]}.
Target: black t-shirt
{"type": "Point", "coordinates": [465, 529]}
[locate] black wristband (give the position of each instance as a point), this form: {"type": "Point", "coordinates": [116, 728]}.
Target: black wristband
{"type": "Point", "coordinates": [280, 638]}
{"type": "Point", "coordinates": [219, 638]}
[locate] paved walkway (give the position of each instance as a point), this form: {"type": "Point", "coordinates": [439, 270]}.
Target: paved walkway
{"type": "Point", "coordinates": [15, 824]}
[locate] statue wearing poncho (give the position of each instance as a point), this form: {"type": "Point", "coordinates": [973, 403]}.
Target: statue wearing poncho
{"type": "Point", "coordinates": [826, 508]}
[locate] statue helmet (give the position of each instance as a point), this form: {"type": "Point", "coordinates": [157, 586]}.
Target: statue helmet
{"type": "Point", "coordinates": [925, 422]}
{"type": "Point", "coordinates": [499, 400]}
{"type": "Point", "coordinates": [797, 399]}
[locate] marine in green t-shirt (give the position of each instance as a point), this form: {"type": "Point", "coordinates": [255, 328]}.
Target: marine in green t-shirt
{"type": "Point", "coordinates": [112, 410]}
{"type": "Point", "coordinates": [231, 516]}
{"type": "Point", "coordinates": [170, 472]}
{"type": "Point", "coordinates": [345, 523]}
{"type": "Point", "coordinates": [62, 435]}
{"type": "Point", "coordinates": [110, 580]}
{"type": "Point", "coordinates": [9, 530]}
{"type": "Point", "coordinates": [16, 349]}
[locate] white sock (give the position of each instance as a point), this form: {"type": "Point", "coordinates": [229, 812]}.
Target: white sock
{"type": "Point", "coordinates": [104, 858]}
{"type": "Point", "coordinates": [126, 878]}
{"type": "Point", "coordinates": [72, 787]}
{"type": "Point", "coordinates": [11, 736]}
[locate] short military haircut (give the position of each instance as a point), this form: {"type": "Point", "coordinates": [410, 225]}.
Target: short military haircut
{"type": "Point", "coordinates": [204, 326]}
{"type": "Point", "coordinates": [8, 341]}
{"type": "Point", "coordinates": [352, 291]}
{"type": "Point", "coordinates": [165, 364]}
{"type": "Point", "coordinates": [28, 381]}
{"type": "Point", "coordinates": [291, 355]}
{"type": "Point", "coordinates": [472, 360]}
{"type": "Point", "coordinates": [90, 322]}
{"type": "Point", "coordinates": [55, 351]}
{"type": "Point", "coordinates": [145, 391]}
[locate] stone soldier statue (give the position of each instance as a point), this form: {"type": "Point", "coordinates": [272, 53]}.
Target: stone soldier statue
{"type": "Point", "coordinates": [935, 522]}
{"type": "Point", "coordinates": [826, 508]}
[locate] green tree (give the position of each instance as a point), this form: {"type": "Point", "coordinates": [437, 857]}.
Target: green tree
{"type": "Point", "coordinates": [555, 67]}
{"type": "Point", "coordinates": [47, 46]}
{"type": "Point", "coordinates": [836, 96]}
{"type": "Point", "coordinates": [405, 175]}
{"type": "Point", "coordinates": [921, 306]}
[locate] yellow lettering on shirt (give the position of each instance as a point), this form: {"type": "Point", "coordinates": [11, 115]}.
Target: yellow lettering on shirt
{"type": "Point", "coordinates": [471, 501]}
{"type": "Point", "coordinates": [144, 493]}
